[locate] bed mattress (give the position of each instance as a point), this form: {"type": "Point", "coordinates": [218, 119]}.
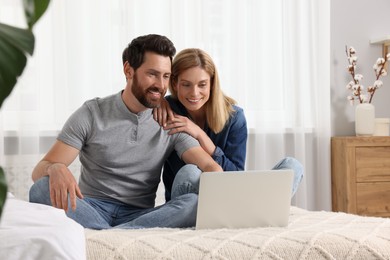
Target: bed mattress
{"type": "Point", "coordinates": [309, 235]}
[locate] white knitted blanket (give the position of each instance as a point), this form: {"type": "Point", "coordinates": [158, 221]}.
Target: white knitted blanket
{"type": "Point", "coordinates": [309, 235]}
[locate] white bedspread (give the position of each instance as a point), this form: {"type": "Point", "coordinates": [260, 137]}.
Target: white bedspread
{"type": "Point", "coordinates": [33, 231]}
{"type": "Point", "coordinates": [309, 235]}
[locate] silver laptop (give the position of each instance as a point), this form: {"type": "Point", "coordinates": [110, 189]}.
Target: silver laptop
{"type": "Point", "coordinates": [244, 199]}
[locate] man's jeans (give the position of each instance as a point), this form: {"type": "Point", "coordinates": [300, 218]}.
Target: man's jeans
{"type": "Point", "coordinates": [180, 211]}
{"type": "Point", "coordinates": [94, 213]}
{"type": "Point", "coordinates": [187, 179]}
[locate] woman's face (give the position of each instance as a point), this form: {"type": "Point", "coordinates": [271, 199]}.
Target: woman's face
{"type": "Point", "coordinates": [193, 88]}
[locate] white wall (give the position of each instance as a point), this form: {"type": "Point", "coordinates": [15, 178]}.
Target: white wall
{"type": "Point", "coordinates": [355, 23]}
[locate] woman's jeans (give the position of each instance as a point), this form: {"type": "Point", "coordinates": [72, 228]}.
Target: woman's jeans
{"type": "Point", "coordinates": [94, 213]}
{"type": "Point", "coordinates": [187, 179]}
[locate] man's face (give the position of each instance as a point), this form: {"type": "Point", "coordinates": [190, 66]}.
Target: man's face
{"type": "Point", "coordinates": [151, 80]}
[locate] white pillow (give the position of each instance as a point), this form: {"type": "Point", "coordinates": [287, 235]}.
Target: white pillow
{"type": "Point", "coordinates": [35, 231]}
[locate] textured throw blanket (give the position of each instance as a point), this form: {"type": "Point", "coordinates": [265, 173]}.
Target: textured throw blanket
{"type": "Point", "coordinates": [309, 235]}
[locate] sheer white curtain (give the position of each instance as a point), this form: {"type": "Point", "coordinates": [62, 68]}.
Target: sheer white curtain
{"type": "Point", "coordinates": [272, 55]}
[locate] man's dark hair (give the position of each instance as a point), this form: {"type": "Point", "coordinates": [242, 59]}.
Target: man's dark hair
{"type": "Point", "coordinates": [135, 51]}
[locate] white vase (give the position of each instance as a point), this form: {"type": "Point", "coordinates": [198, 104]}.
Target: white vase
{"type": "Point", "coordinates": [365, 119]}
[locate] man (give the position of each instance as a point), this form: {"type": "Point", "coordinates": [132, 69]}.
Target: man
{"type": "Point", "coordinates": [122, 150]}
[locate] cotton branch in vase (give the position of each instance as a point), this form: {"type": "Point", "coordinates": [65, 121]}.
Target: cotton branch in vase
{"type": "Point", "coordinates": [356, 88]}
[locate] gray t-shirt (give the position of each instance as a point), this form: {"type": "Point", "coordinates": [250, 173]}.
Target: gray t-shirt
{"type": "Point", "coordinates": [121, 153]}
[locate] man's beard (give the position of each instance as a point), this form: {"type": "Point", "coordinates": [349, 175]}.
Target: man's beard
{"type": "Point", "coordinates": [142, 96]}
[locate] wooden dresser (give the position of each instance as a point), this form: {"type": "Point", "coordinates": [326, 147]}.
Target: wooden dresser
{"type": "Point", "coordinates": [361, 175]}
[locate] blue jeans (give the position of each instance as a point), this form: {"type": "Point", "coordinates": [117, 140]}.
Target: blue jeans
{"type": "Point", "coordinates": [94, 213]}
{"type": "Point", "coordinates": [187, 178]}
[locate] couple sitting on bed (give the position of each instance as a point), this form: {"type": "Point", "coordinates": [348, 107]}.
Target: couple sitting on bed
{"type": "Point", "coordinates": [123, 149]}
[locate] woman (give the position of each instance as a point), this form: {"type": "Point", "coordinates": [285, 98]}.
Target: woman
{"type": "Point", "coordinates": [203, 111]}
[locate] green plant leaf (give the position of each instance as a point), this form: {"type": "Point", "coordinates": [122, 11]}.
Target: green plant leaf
{"type": "Point", "coordinates": [34, 9]}
{"type": "Point", "coordinates": [22, 39]}
{"type": "Point", "coordinates": [14, 44]}
{"type": "Point", "coordinates": [3, 190]}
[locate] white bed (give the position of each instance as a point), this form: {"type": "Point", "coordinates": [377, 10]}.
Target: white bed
{"type": "Point", "coordinates": [309, 235]}
{"type": "Point", "coordinates": [34, 231]}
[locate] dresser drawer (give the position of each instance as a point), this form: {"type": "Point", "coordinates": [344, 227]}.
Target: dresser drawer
{"type": "Point", "coordinates": [361, 175]}
{"type": "Point", "coordinates": [372, 164]}
{"type": "Point", "coordinates": [373, 199]}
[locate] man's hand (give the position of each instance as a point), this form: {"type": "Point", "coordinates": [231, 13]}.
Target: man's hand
{"type": "Point", "coordinates": [199, 157]}
{"type": "Point", "coordinates": [62, 183]}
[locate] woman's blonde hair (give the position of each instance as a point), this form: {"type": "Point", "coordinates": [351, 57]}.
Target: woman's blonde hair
{"type": "Point", "coordinates": [219, 106]}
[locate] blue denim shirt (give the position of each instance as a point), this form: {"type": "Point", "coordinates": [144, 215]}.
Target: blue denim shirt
{"type": "Point", "coordinates": [230, 152]}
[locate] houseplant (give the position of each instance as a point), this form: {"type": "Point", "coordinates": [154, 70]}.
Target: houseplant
{"type": "Point", "coordinates": [15, 45]}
